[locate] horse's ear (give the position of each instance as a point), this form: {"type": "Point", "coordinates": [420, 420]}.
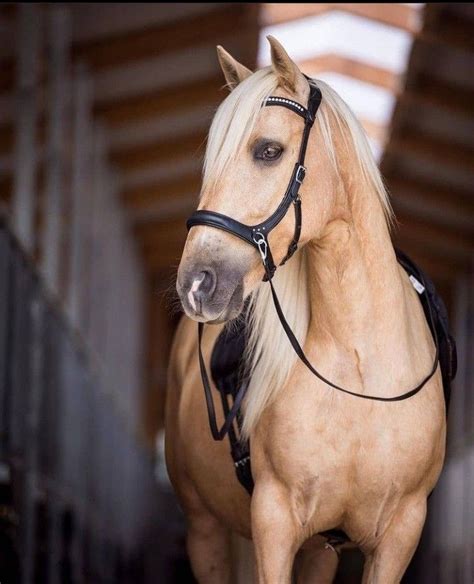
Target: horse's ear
{"type": "Point", "coordinates": [290, 77]}
{"type": "Point", "coordinates": [233, 71]}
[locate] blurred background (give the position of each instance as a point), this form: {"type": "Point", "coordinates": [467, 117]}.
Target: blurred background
{"type": "Point", "coordinates": [104, 110]}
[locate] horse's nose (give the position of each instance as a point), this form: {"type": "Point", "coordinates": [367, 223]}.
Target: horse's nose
{"type": "Point", "coordinates": [202, 288]}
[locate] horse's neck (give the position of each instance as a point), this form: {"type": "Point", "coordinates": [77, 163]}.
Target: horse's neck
{"type": "Point", "coordinates": [358, 300]}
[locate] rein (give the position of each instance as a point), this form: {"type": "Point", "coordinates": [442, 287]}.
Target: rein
{"type": "Point", "coordinates": [257, 236]}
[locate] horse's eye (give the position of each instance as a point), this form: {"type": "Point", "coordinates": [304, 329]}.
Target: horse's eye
{"type": "Point", "coordinates": [271, 153]}
{"type": "Point", "coordinates": [268, 152]}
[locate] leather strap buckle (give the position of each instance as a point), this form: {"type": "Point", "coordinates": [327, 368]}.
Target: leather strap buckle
{"type": "Point", "coordinates": [300, 174]}
{"type": "Point", "coordinates": [262, 245]}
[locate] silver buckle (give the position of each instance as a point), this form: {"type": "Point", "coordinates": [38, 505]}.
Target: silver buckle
{"type": "Point", "coordinates": [301, 171]}
{"type": "Point", "coordinates": [262, 245]}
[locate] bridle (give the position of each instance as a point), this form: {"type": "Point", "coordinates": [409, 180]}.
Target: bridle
{"type": "Point", "coordinates": [257, 236]}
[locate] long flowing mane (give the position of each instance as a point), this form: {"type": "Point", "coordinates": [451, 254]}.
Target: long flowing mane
{"type": "Point", "coordinates": [269, 355]}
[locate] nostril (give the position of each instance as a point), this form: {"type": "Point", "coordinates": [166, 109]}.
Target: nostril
{"type": "Point", "coordinates": [202, 288]}
{"type": "Point", "coordinates": [207, 284]}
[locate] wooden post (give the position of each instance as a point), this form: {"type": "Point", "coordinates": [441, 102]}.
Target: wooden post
{"type": "Point", "coordinates": [29, 49]}
{"type": "Point", "coordinates": [81, 192]}
{"type": "Point", "coordinates": [59, 40]}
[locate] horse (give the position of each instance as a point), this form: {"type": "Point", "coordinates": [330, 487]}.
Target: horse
{"type": "Point", "coordinates": [321, 459]}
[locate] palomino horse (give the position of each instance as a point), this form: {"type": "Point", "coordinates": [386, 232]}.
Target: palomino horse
{"type": "Point", "coordinates": [321, 459]}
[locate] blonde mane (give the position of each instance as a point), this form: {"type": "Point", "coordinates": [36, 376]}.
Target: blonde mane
{"type": "Point", "coordinates": [269, 354]}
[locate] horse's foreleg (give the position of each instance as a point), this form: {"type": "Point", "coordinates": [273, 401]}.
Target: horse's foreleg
{"type": "Point", "coordinates": [273, 533]}
{"type": "Point", "coordinates": [387, 563]}
{"type": "Point", "coordinates": [209, 549]}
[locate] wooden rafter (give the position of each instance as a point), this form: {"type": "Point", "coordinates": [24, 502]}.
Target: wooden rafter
{"type": "Point", "coordinates": [170, 189]}
{"type": "Point", "coordinates": [435, 253]}
{"type": "Point", "coordinates": [439, 272]}
{"type": "Point", "coordinates": [435, 234]}
{"type": "Point", "coordinates": [396, 15]}
{"type": "Point", "coordinates": [163, 151]}
{"type": "Point", "coordinates": [432, 195]}
{"type": "Point", "coordinates": [429, 91]}
{"type": "Point", "coordinates": [161, 102]}
{"type": "Point", "coordinates": [150, 230]}
{"type": "Point", "coordinates": [7, 75]}
{"type": "Point", "coordinates": [6, 139]}
{"type": "Point", "coordinates": [435, 149]}
{"type": "Point", "coordinates": [352, 68]}
{"type": "Point", "coordinates": [448, 29]}
{"type": "Point", "coordinates": [161, 259]}
{"type": "Point", "coordinates": [161, 39]}
{"type": "Point", "coordinates": [208, 91]}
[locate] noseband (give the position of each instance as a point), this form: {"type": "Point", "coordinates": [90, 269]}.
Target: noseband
{"type": "Point", "coordinates": [257, 236]}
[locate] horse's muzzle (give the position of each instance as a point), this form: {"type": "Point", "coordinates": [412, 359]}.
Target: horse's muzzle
{"type": "Point", "coordinates": [210, 294]}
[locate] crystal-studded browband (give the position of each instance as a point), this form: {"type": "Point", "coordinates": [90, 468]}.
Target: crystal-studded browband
{"type": "Point", "coordinates": [289, 103]}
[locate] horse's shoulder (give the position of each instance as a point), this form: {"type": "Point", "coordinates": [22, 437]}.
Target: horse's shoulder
{"type": "Point", "coordinates": [182, 350]}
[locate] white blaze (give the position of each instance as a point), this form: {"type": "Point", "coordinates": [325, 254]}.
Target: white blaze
{"type": "Point", "coordinates": [194, 288]}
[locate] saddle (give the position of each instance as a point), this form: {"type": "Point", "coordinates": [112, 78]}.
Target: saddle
{"type": "Point", "coordinates": [229, 371]}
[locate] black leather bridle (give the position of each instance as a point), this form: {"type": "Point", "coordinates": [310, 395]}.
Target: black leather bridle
{"type": "Point", "coordinates": [257, 236]}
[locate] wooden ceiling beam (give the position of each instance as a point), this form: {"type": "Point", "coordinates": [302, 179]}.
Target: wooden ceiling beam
{"type": "Point", "coordinates": [160, 152]}
{"type": "Point", "coordinates": [433, 234]}
{"type": "Point", "coordinates": [148, 230]}
{"type": "Point", "coordinates": [375, 131]}
{"type": "Point", "coordinates": [437, 254]}
{"type": "Point", "coordinates": [7, 75]}
{"type": "Point", "coordinates": [449, 29]}
{"type": "Point", "coordinates": [436, 270]}
{"type": "Point", "coordinates": [431, 194]}
{"type": "Point", "coordinates": [176, 188]}
{"type": "Point", "coordinates": [208, 91]}
{"type": "Point", "coordinates": [432, 148]}
{"type": "Point", "coordinates": [165, 243]}
{"type": "Point", "coordinates": [157, 260]}
{"type": "Point", "coordinates": [163, 101]}
{"type": "Point", "coordinates": [157, 40]}
{"type": "Point", "coordinates": [6, 139]}
{"type": "Point", "coordinates": [430, 91]}
{"type": "Point", "coordinates": [352, 68]}
{"type": "Point", "coordinates": [177, 35]}
{"type": "Point", "coordinates": [396, 15]}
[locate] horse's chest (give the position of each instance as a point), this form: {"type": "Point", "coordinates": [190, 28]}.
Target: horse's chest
{"type": "Point", "coordinates": [344, 448]}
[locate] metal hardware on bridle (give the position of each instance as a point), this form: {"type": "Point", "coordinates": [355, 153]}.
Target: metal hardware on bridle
{"type": "Point", "coordinates": [262, 245]}
{"type": "Point", "coordinates": [257, 235]}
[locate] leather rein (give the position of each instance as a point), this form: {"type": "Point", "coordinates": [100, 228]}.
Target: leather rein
{"type": "Point", "coordinates": [257, 236]}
